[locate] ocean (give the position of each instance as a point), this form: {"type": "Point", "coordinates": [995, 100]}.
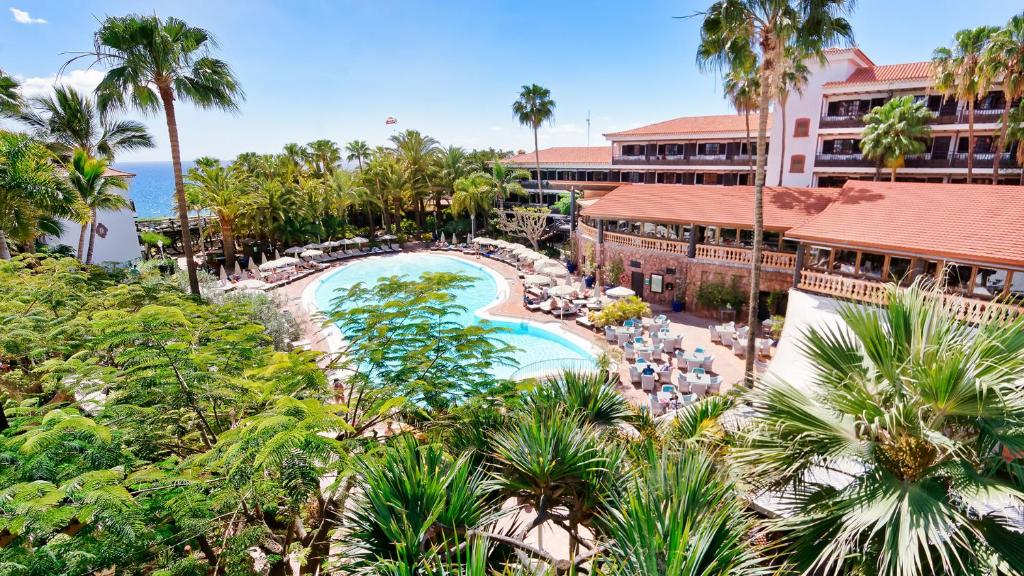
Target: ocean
{"type": "Point", "coordinates": [152, 188]}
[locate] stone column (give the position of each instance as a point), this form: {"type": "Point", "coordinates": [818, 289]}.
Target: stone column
{"type": "Point", "coordinates": [799, 265]}
{"type": "Point", "coordinates": [691, 250]}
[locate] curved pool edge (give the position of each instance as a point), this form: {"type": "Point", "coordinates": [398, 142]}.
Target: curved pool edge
{"type": "Point", "coordinates": [333, 336]}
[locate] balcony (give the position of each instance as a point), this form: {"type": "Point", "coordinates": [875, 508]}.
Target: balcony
{"type": "Point", "coordinates": [967, 309]}
{"type": "Point", "coordinates": [943, 116]}
{"type": "Point", "coordinates": [926, 160]}
{"type": "Point", "coordinates": [744, 256]}
{"type": "Point", "coordinates": [682, 160]}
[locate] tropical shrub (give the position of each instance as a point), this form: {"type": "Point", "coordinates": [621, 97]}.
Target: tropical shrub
{"type": "Point", "coordinates": [715, 295]}
{"type": "Point", "coordinates": [616, 271]}
{"type": "Point", "coordinates": [617, 312]}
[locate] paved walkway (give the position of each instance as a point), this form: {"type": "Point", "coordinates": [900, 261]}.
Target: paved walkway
{"type": "Point", "coordinates": [692, 328]}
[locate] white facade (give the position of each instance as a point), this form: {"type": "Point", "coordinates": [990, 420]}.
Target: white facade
{"type": "Point", "coordinates": [118, 243]}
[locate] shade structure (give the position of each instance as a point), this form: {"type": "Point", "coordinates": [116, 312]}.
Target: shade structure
{"type": "Point", "coordinates": [556, 272]}
{"type": "Point", "coordinates": [482, 240]}
{"type": "Point", "coordinates": [533, 257]}
{"type": "Point", "coordinates": [312, 246]}
{"type": "Point", "coordinates": [277, 255]}
{"type": "Point", "coordinates": [294, 250]}
{"type": "Point", "coordinates": [331, 244]}
{"type": "Point", "coordinates": [388, 237]}
{"type": "Point", "coordinates": [550, 267]}
{"type": "Point", "coordinates": [311, 252]}
{"type": "Point", "coordinates": [537, 280]}
{"type": "Point", "coordinates": [252, 265]}
{"type": "Point", "coordinates": [359, 240]}
{"type": "Point", "coordinates": [561, 291]}
{"type": "Point", "coordinates": [279, 263]}
{"type": "Point", "coordinates": [455, 239]}
{"type": "Point", "coordinates": [238, 269]}
{"type": "Point", "coordinates": [620, 292]}
{"type": "Point", "coordinates": [501, 243]}
{"type": "Point", "coordinates": [443, 240]}
{"type": "Point", "coordinates": [223, 274]}
{"type": "Point", "coordinates": [251, 284]}
{"type": "Point", "coordinates": [263, 259]}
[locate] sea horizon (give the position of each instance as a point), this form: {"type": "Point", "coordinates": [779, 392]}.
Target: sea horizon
{"type": "Point", "coordinates": [152, 187]}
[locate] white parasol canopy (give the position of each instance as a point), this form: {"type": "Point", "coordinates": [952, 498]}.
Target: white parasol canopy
{"type": "Point", "coordinates": [561, 291]}
{"type": "Point", "coordinates": [359, 240]}
{"type": "Point", "coordinates": [331, 244]}
{"type": "Point", "coordinates": [223, 274]}
{"type": "Point", "coordinates": [277, 255]}
{"type": "Point", "coordinates": [482, 240]}
{"type": "Point", "coordinates": [536, 280]}
{"type": "Point", "coordinates": [252, 265]}
{"type": "Point", "coordinates": [294, 250]}
{"type": "Point", "coordinates": [238, 269]}
{"type": "Point", "coordinates": [279, 263]}
{"type": "Point", "coordinates": [310, 253]}
{"type": "Point", "coordinates": [312, 246]}
{"type": "Point", "coordinates": [251, 284]}
{"type": "Point", "coordinates": [620, 292]}
{"type": "Point", "coordinates": [442, 240]}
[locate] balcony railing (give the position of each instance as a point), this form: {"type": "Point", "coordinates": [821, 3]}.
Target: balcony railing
{"type": "Point", "coordinates": [926, 160]}
{"type": "Point", "coordinates": [970, 310]}
{"type": "Point", "coordinates": [943, 116]}
{"type": "Point", "coordinates": [646, 242]}
{"type": "Point", "coordinates": [743, 256]}
{"type": "Point", "coordinates": [684, 160]}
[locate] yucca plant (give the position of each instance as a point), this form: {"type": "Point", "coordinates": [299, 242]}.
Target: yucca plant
{"type": "Point", "coordinates": [898, 457]}
{"type": "Point", "coordinates": [591, 395]}
{"type": "Point", "coordinates": [680, 516]}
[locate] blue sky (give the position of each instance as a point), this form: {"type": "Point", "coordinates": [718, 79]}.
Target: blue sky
{"type": "Point", "coordinates": [337, 69]}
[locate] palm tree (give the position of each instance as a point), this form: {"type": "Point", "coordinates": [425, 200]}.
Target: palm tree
{"type": "Point", "coordinates": [415, 153]}
{"type": "Point", "coordinates": [741, 87]}
{"type": "Point", "coordinates": [755, 34]}
{"type": "Point", "coordinates": [1004, 60]}
{"type": "Point", "coordinates": [153, 62]}
{"type": "Point", "coordinates": [70, 120]}
{"type": "Point", "coordinates": [533, 108]}
{"type": "Point", "coordinates": [472, 196]}
{"type": "Point", "coordinates": [959, 74]}
{"type": "Point", "coordinates": [95, 192]}
{"type": "Point", "coordinates": [32, 193]}
{"type": "Point", "coordinates": [506, 182]}
{"type": "Point", "coordinates": [350, 192]}
{"type": "Point", "coordinates": [1015, 133]}
{"type": "Point", "coordinates": [223, 191]}
{"type": "Point", "coordinates": [10, 99]}
{"type": "Point", "coordinates": [357, 150]}
{"type": "Point", "coordinates": [680, 516]}
{"type": "Point", "coordinates": [325, 155]}
{"type": "Point", "coordinates": [452, 165]}
{"type": "Point", "coordinates": [792, 77]}
{"type": "Point", "coordinates": [891, 457]}
{"type": "Point", "coordinates": [893, 130]}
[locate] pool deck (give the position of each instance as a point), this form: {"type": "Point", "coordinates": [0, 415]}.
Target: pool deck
{"type": "Point", "coordinates": [692, 328]}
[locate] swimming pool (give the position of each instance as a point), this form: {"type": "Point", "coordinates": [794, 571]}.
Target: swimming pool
{"type": "Point", "coordinates": [534, 342]}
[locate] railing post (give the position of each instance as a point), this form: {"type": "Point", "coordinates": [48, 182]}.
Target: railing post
{"type": "Point", "coordinates": [691, 250]}
{"type": "Point", "coordinates": [798, 265]}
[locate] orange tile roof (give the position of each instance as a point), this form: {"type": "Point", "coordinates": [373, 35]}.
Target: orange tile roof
{"type": "Point", "coordinates": [971, 222]}
{"type": "Point", "coordinates": [853, 50]}
{"type": "Point", "coordinates": [726, 206]}
{"type": "Point", "coordinates": [566, 155]}
{"type": "Point", "coordinates": [887, 73]}
{"type": "Point", "coordinates": [695, 125]}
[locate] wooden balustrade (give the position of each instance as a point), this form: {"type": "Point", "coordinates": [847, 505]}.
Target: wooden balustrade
{"type": "Point", "coordinates": [782, 260]}
{"type": "Point", "coordinates": [646, 242]}
{"type": "Point", "coordinates": [588, 232]}
{"type": "Point", "coordinates": [970, 310]}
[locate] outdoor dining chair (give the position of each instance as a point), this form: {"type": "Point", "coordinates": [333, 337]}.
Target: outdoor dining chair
{"type": "Point", "coordinates": [700, 389]}
{"type": "Point", "coordinates": [726, 339]}
{"type": "Point", "coordinates": [715, 385]}
{"type": "Point", "coordinates": [647, 382]}
{"type": "Point", "coordinates": [630, 353]}
{"type": "Point", "coordinates": [634, 374]}
{"type": "Point", "coordinates": [647, 355]}
{"type": "Point", "coordinates": [609, 334]}
{"type": "Point", "coordinates": [738, 349]}
{"type": "Point", "coordinates": [707, 363]}
{"type": "Point", "coordinates": [622, 338]}
{"type": "Point", "coordinates": [693, 364]}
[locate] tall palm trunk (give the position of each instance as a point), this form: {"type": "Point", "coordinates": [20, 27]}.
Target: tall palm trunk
{"type": "Point", "coordinates": [755, 260]}
{"type": "Point", "coordinates": [782, 150]}
{"type": "Point", "coordinates": [536, 159]}
{"type": "Point", "coordinates": [5, 251]}
{"type": "Point", "coordinates": [227, 240]}
{"type": "Point", "coordinates": [81, 242]}
{"type": "Point", "coordinates": [92, 236]}
{"type": "Point", "coordinates": [369, 218]}
{"type": "Point", "coordinates": [179, 188]}
{"type": "Point", "coordinates": [750, 149]}
{"type": "Point", "coordinates": [1001, 139]}
{"type": "Point", "coordinates": [970, 140]}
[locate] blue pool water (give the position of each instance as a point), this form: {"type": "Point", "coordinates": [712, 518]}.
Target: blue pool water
{"type": "Point", "coordinates": [533, 344]}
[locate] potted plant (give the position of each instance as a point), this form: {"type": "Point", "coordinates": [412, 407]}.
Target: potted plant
{"type": "Point", "coordinates": [589, 267]}
{"type": "Point", "coordinates": [677, 300]}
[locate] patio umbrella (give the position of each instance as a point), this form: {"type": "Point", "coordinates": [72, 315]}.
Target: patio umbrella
{"type": "Point", "coordinates": [277, 255]}
{"type": "Point", "coordinates": [620, 292]}
{"type": "Point", "coordinates": [534, 256]}
{"type": "Point", "coordinates": [442, 238]}
{"type": "Point", "coordinates": [313, 246]}
{"type": "Point", "coordinates": [331, 244]}
{"type": "Point", "coordinates": [545, 264]}
{"type": "Point", "coordinates": [223, 274]}
{"type": "Point", "coordinates": [455, 239]}
{"type": "Point", "coordinates": [482, 240]}
{"type": "Point", "coordinates": [310, 253]}
{"type": "Point", "coordinates": [238, 269]}
{"type": "Point", "coordinates": [263, 259]}
{"type": "Point", "coordinates": [360, 240]}
{"type": "Point", "coordinates": [536, 280]}
{"type": "Point", "coordinates": [561, 291]}
{"type": "Point", "coordinates": [294, 250]}
{"type": "Point", "coordinates": [251, 284]}
{"type": "Point", "coordinates": [252, 265]}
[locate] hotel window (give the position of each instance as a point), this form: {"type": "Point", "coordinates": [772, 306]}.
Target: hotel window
{"type": "Point", "coordinates": [958, 277]}
{"type": "Point", "coordinates": [899, 270]}
{"type": "Point", "coordinates": [845, 262]}
{"type": "Point", "coordinates": [709, 148]}
{"type": "Point", "coordinates": [633, 150]}
{"type": "Point", "coordinates": [818, 257]}
{"type": "Point", "coordinates": [844, 146]}
{"type": "Point", "coordinates": [796, 163]}
{"type": "Point", "coordinates": [871, 265]}
{"type": "Point", "coordinates": [989, 283]}
{"type": "Point", "coordinates": [802, 127]}
{"type": "Point", "coordinates": [771, 240]}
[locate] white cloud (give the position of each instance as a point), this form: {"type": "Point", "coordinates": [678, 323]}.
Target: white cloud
{"type": "Point", "coordinates": [84, 81]}
{"type": "Point", "coordinates": [22, 17]}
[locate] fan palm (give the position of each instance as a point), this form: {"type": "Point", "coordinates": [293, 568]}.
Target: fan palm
{"type": "Point", "coordinates": [32, 194]}
{"type": "Point", "coordinates": [959, 74]}
{"type": "Point", "coordinates": [591, 395]}
{"type": "Point", "coordinates": [505, 182]}
{"type": "Point", "coordinates": [890, 458]}
{"type": "Point", "coordinates": [357, 150]}
{"type": "Point", "coordinates": [1015, 134]}
{"type": "Point", "coordinates": [350, 193]}
{"type": "Point", "coordinates": [325, 155]}
{"type": "Point", "coordinates": [95, 192]}
{"type": "Point", "coordinates": [69, 120]}
{"type": "Point", "coordinates": [741, 87]}
{"type": "Point", "coordinates": [223, 191]}
{"type": "Point", "coordinates": [679, 516]}
{"type": "Point", "coordinates": [473, 195]}
{"type": "Point", "coordinates": [533, 108]}
{"type": "Point", "coordinates": [151, 64]}
{"type": "Point", "coordinates": [895, 129]}
{"type": "Point", "coordinates": [1004, 60]}
{"type": "Point", "coordinates": [415, 153]}
{"type": "Point", "coordinates": [10, 99]}
{"type": "Point", "coordinates": [756, 34]}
